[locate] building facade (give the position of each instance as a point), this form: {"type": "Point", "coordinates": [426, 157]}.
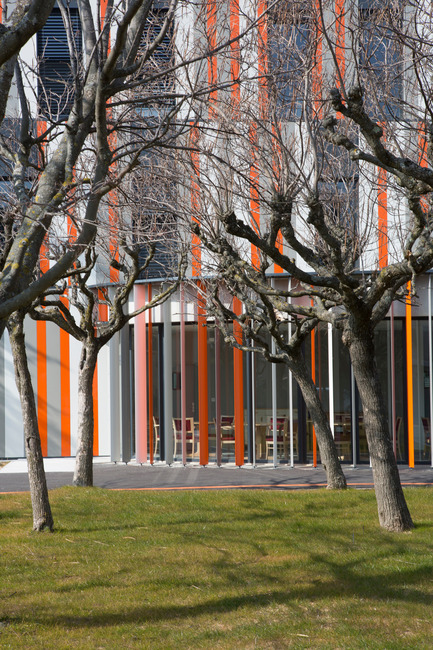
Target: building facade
{"type": "Point", "coordinates": [168, 388]}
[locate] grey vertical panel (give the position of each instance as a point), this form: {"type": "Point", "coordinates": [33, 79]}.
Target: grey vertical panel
{"type": "Point", "coordinates": [115, 397]}
{"type": "Point", "coordinates": [2, 400]}
{"type": "Point", "coordinates": [32, 359]}
{"type": "Point", "coordinates": [14, 432]}
{"type": "Point", "coordinates": [53, 391]}
{"type": "Point", "coordinates": [168, 397]}
{"type": "Point", "coordinates": [125, 394]}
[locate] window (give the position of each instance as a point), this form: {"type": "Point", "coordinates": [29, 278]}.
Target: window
{"type": "Point", "coordinates": [288, 61]}
{"type": "Point", "coordinates": [56, 79]}
{"type": "Point", "coordinates": [380, 59]}
{"type": "Point", "coordinates": [156, 93]}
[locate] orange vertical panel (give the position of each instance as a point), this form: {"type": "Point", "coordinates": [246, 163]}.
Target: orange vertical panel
{"type": "Point", "coordinates": [340, 38]}
{"type": "Point", "coordinates": [317, 65]}
{"type": "Point", "coordinates": [95, 413]}
{"type": "Point", "coordinates": [150, 375]}
{"type": "Point", "coordinates": [340, 42]}
{"type": "Point", "coordinates": [235, 53]}
{"type": "Point", "coordinates": [313, 376]}
{"type": "Point", "coordinates": [113, 219]}
{"type": "Point", "coordinates": [102, 306]}
{"type": "Point", "coordinates": [65, 394]}
{"type": "Point", "coordinates": [254, 195]}
{"type": "Point", "coordinates": [382, 218]}
{"type": "Point", "coordinates": [41, 356]}
{"type": "Point", "coordinates": [195, 201]}
{"type": "Point", "coordinates": [212, 60]}
{"type": "Point", "coordinates": [262, 27]}
{"type": "Point", "coordinates": [409, 373]}
{"type": "Point", "coordinates": [238, 380]}
{"type": "Point", "coordinates": [276, 169]}
{"type": "Point", "coordinates": [41, 350]}
{"type": "Point", "coordinates": [203, 391]}
{"type": "Point", "coordinates": [422, 145]}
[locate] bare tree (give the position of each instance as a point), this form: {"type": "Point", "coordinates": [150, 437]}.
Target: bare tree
{"type": "Point", "coordinates": [23, 23]}
{"type": "Point", "coordinates": [309, 156]}
{"type": "Point", "coordinates": [80, 317]}
{"type": "Point", "coordinates": [59, 165]}
{"type": "Point", "coordinates": [42, 516]}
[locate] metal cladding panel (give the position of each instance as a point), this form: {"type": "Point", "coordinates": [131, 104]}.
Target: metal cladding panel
{"type": "Point", "coordinates": [2, 400]}
{"type": "Point", "coordinates": [75, 351]}
{"type": "Point", "coordinates": [14, 437]}
{"type": "Point", "coordinates": [54, 428]}
{"type": "Point", "coordinates": [104, 398]}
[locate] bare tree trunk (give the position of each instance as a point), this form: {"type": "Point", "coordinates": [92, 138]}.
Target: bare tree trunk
{"type": "Point", "coordinates": [42, 517]}
{"type": "Point", "coordinates": [328, 451]}
{"type": "Point", "coordinates": [392, 508]}
{"type": "Point", "coordinates": [83, 474]}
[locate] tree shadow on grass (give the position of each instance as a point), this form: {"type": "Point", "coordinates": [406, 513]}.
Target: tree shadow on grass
{"type": "Point", "coordinates": [396, 586]}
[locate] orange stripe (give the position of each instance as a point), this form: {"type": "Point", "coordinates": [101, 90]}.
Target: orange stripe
{"type": "Point", "coordinates": [382, 218]}
{"type": "Point", "coordinates": [409, 372]}
{"type": "Point", "coordinates": [95, 413]}
{"type": "Point", "coordinates": [203, 409]}
{"type": "Point", "coordinates": [102, 306]}
{"type": "Point", "coordinates": [65, 392]}
{"type": "Point", "coordinates": [113, 215]}
{"type": "Point", "coordinates": [317, 67]}
{"type": "Point", "coordinates": [212, 60]}
{"type": "Point", "coordinates": [235, 53]}
{"type": "Point", "coordinates": [150, 375]}
{"type": "Point", "coordinates": [41, 356]}
{"type": "Point", "coordinates": [238, 380]}
{"type": "Point", "coordinates": [195, 202]}
{"type": "Point", "coordinates": [340, 37]}
{"type": "Point", "coordinates": [422, 145]}
{"type": "Point", "coordinates": [254, 195]}
{"type": "Point", "coordinates": [262, 26]}
{"type": "Point", "coordinates": [313, 376]}
{"type": "Point", "coordinates": [276, 169]}
{"type": "Point", "coordinates": [340, 42]}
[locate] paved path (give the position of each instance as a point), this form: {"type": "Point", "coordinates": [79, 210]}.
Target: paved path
{"type": "Point", "coordinates": [13, 477]}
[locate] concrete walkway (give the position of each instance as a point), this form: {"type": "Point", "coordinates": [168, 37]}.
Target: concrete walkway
{"type": "Point", "coordinates": [13, 476]}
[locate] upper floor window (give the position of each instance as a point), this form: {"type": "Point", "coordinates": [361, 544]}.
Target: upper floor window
{"type": "Point", "coordinates": [156, 91]}
{"type": "Point", "coordinates": [380, 58]}
{"type": "Point", "coordinates": [289, 39]}
{"type": "Point", "coordinates": [288, 64]}
{"type": "Point", "coordinates": [56, 80]}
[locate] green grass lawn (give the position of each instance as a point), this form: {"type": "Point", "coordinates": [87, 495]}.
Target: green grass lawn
{"type": "Point", "coordinates": [217, 569]}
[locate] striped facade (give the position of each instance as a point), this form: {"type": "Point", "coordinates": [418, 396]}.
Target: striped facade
{"type": "Point", "coordinates": [172, 367]}
{"type": "Point", "coordinates": [169, 389]}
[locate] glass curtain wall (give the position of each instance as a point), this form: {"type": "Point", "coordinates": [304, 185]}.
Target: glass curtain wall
{"type": "Point", "coordinates": [222, 394]}
{"type": "Point", "coordinates": [316, 356]}
{"type": "Point", "coordinates": [154, 377]}
{"type": "Point", "coordinates": [389, 359]}
{"type": "Point", "coordinates": [262, 386]}
{"type": "Point", "coordinates": [421, 390]}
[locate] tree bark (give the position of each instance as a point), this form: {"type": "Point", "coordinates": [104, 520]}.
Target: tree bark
{"type": "Point", "coordinates": [83, 474]}
{"type": "Point", "coordinates": [391, 505]}
{"type": "Point", "coordinates": [42, 517]}
{"type": "Point", "coordinates": [328, 451]}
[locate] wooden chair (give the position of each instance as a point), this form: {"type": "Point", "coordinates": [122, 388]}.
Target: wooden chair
{"type": "Point", "coordinates": [155, 434]}
{"type": "Point", "coordinates": [426, 428]}
{"type": "Point", "coordinates": [227, 431]}
{"type": "Point", "coordinates": [281, 438]}
{"type": "Point", "coordinates": [191, 439]}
